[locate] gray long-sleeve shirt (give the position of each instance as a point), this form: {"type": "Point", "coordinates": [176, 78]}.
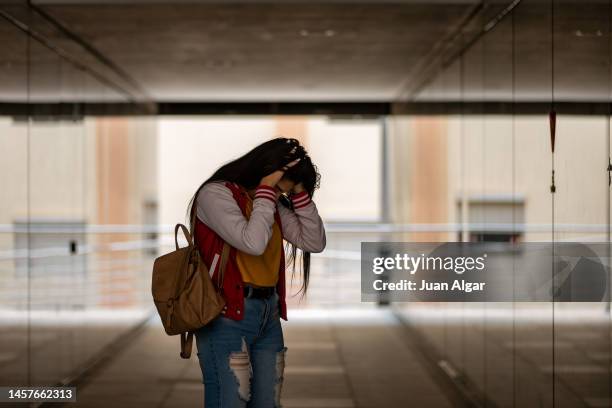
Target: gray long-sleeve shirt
{"type": "Point", "coordinates": [217, 208]}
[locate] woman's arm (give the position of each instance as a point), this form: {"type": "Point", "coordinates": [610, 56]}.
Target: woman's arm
{"type": "Point", "coordinates": [217, 208]}
{"type": "Point", "coordinates": [303, 227]}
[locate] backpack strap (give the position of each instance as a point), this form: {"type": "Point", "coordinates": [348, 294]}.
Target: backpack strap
{"type": "Point", "coordinates": [190, 242]}
{"type": "Point", "coordinates": [186, 344]}
{"type": "Point", "coordinates": [224, 258]}
{"type": "Point", "coordinates": [185, 232]}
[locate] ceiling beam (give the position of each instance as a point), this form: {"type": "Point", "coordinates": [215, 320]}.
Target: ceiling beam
{"type": "Point", "coordinates": [76, 111]}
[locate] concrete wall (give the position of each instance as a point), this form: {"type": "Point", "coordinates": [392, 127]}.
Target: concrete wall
{"type": "Point", "coordinates": [438, 162]}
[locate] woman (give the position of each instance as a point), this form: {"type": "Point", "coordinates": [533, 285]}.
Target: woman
{"type": "Point", "coordinates": [242, 352]}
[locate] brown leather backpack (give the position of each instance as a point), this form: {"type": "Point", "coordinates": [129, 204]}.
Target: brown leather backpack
{"type": "Point", "coordinates": [184, 294]}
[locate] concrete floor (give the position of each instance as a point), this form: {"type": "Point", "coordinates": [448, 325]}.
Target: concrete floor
{"type": "Point", "coordinates": [363, 361]}
{"type": "Point", "coordinates": [517, 357]}
{"type": "Point", "coordinates": [420, 355]}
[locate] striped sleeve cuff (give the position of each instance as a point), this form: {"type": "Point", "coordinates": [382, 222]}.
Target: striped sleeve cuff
{"type": "Point", "coordinates": [300, 200]}
{"type": "Point", "coordinates": [267, 192]}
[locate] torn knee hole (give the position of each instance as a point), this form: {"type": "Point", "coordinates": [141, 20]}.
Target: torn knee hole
{"type": "Point", "coordinates": [240, 364]}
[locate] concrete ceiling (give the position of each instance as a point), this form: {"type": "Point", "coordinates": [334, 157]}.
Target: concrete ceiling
{"type": "Point", "coordinates": [210, 51]}
{"type": "Point", "coordinates": [493, 70]}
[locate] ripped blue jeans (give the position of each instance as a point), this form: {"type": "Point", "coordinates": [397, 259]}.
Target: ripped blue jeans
{"type": "Point", "coordinates": [243, 361]}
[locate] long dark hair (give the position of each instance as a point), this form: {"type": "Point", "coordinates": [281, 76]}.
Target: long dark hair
{"type": "Point", "coordinates": [248, 170]}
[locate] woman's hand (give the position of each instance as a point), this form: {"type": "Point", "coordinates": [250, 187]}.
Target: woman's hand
{"type": "Point", "coordinates": [273, 178]}
{"type": "Point", "coordinates": [298, 188]}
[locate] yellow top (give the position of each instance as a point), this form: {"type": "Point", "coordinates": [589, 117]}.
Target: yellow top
{"type": "Point", "coordinates": [261, 270]}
